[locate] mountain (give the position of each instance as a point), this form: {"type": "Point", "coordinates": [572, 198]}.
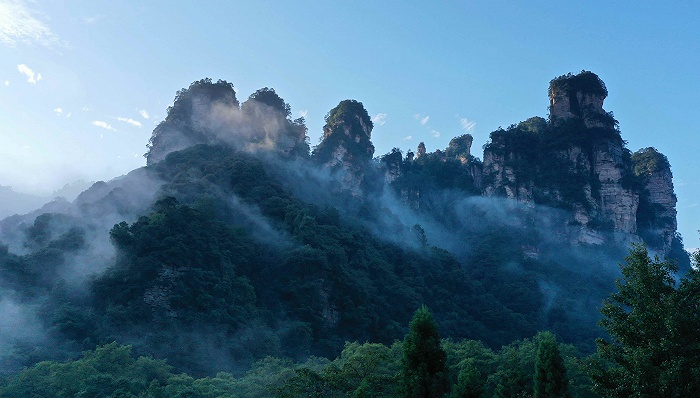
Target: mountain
{"type": "Point", "coordinates": [12, 202]}
{"type": "Point", "coordinates": [576, 161]}
{"type": "Point", "coordinates": [236, 241]}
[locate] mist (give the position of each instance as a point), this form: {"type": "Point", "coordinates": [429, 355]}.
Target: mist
{"type": "Point", "coordinates": [247, 172]}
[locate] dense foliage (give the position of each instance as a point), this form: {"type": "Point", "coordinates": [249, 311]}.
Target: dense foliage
{"type": "Point", "coordinates": [648, 161]}
{"type": "Point", "coordinates": [583, 82]}
{"type": "Point", "coordinates": [653, 322]}
{"type": "Point", "coordinates": [361, 370]}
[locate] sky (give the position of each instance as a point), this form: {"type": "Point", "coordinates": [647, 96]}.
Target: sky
{"type": "Point", "coordinates": [83, 83]}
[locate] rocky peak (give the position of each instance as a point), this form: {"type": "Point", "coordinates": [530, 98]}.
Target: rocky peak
{"type": "Point", "coordinates": [268, 119]}
{"type": "Point", "coordinates": [391, 164]}
{"type": "Point", "coordinates": [346, 147]}
{"type": "Point", "coordinates": [578, 161]}
{"type": "Point", "coordinates": [185, 124]}
{"type": "Point", "coordinates": [656, 216]}
{"type": "Point", "coordinates": [209, 113]}
{"type": "Point", "coordinates": [420, 151]}
{"type": "Point", "coordinates": [580, 95]}
{"type": "Point", "coordinates": [460, 148]}
{"type": "Point", "coordinates": [351, 118]}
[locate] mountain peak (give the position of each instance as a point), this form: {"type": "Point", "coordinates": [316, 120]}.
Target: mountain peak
{"type": "Point", "coordinates": [579, 95]}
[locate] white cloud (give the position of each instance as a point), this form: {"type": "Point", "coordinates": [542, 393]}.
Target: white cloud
{"type": "Point", "coordinates": [435, 133]}
{"type": "Point", "coordinates": [18, 25]}
{"type": "Point", "coordinates": [103, 125]}
{"type": "Point", "coordinates": [303, 113]}
{"type": "Point", "coordinates": [379, 118]}
{"type": "Point", "coordinates": [85, 109]}
{"type": "Point", "coordinates": [92, 20]}
{"type": "Point", "coordinates": [59, 111]}
{"type": "Point", "coordinates": [422, 119]}
{"type": "Point", "coordinates": [144, 114]}
{"type": "Point", "coordinates": [130, 121]}
{"type": "Point", "coordinates": [408, 138]}
{"type": "Point", "coordinates": [7, 82]}
{"type": "Point", "coordinates": [31, 76]}
{"type": "Point", "coordinates": [69, 114]}
{"type": "Point", "coordinates": [467, 125]}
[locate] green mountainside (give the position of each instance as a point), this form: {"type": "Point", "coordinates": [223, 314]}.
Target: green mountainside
{"type": "Point", "coordinates": [237, 243]}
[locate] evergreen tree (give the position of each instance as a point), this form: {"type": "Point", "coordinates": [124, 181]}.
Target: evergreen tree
{"type": "Point", "coordinates": [424, 372]}
{"type": "Point", "coordinates": [655, 345]}
{"type": "Point", "coordinates": [550, 373]}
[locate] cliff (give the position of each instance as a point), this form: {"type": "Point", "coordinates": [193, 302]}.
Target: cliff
{"type": "Point", "coordinates": [575, 160]}
{"type": "Point", "coordinates": [346, 148]}
{"type": "Point", "coordinates": [209, 113]}
{"type": "Point", "coordinates": [656, 214]}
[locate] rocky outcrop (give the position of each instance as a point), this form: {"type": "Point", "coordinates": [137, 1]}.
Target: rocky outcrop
{"type": "Point", "coordinates": [618, 203]}
{"type": "Point", "coordinates": [575, 160]}
{"type": "Point", "coordinates": [579, 96]}
{"type": "Point", "coordinates": [460, 148]}
{"type": "Point", "coordinates": [188, 121]}
{"type": "Point", "coordinates": [501, 177]}
{"type": "Point", "coordinates": [391, 164]}
{"type": "Point", "coordinates": [346, 148]}
{"type": "Point", "coordinates": [420, 151]}
{"type": "Point", "coordinates": [656, 215]}
{"type": "Point", "coordinates": [209, 113]}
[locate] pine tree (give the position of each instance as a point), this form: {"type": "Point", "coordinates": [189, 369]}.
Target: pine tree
{"type": "Point", "coordinates": [424, 372]}
{"type": "Point", "coordinates": [550, 373]}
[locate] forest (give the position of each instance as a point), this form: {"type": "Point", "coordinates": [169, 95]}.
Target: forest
{"type": "Point", "coordinates": [241, 263]}
{"type": "Point", "coordinates": [653, 349]}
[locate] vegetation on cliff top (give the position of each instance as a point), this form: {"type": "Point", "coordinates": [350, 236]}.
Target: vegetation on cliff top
{"type": "Point", "coordinates": [585, 82]}
{"type": "Point", "coordinates": [348, 125]}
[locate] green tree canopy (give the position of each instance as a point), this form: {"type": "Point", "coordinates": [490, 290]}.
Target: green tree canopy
{"type": "Point", "coordinates": [550, 373]}
{"type": "Point", "coordinates": [655, 345]}
{"type": "Point", "coordinates": [424, 372]}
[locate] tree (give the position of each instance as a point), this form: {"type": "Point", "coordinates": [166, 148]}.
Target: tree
{"type": "Point", "coordinates": [550, 373]}
{"type": "Point", "coordinates": [655, 346]}
{"type": "Point", "coordinates": [424, 372]}
{"type": "Point", "coordinates": [470, 382]}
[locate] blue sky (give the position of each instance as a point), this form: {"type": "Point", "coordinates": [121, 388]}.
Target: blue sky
{"type": "Point", "coordinates": [83, 83]}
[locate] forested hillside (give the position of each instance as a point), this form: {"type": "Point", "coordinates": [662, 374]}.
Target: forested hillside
{"type": "Point", "coordinates": [241, 249]}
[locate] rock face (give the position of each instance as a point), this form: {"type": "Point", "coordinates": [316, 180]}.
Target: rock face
{"type": "Point", "coordinates": [208, 112]}
{"type": "Point", "coordinates": [460, 148]}
{"type": "Point", "coordinates": [575, 160]}
{"type": "Point", "coordinates": [618, 203]}
{"type": "Point", "coordinates": [392, 163]}
{"type": "Point", "coordinates": [579, 96]}
{"type": "Point", "coordinates": [346, 148]}
{"type": "Point", "coordinates": [656, 215]}
{"type": "Point", "coordinates": [188, 122]}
